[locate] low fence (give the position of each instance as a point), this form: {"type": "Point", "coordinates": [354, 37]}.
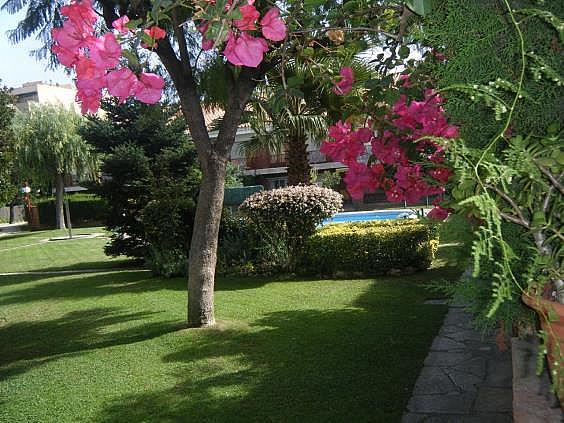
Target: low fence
{"type": "Point", "coordinates": [18, 214]}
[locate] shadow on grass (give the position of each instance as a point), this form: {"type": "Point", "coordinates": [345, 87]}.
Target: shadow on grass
{"type": "Point", "coordinates": [109, 264]}
{"type": "Point", "coordinates": [353, 364]}
{"type": "Point", "coordinates": [28, 344]}
{"type": "Point", "coordinates": [83, 285]}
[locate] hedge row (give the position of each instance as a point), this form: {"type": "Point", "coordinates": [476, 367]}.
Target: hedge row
{"type": "Point", "coordinates": [371, 248]}
{"type": "Point", "coordinates": [84, 209]}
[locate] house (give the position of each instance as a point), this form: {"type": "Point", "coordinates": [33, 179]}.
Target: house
{"type": "Point", "coordinates": [38, 92]}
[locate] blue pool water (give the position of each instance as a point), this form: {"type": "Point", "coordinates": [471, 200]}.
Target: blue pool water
{"type": "Point", "coordinates": [369, 215]}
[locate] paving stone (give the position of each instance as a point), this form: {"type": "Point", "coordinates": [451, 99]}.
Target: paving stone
{"type": "Point", "coordinates": [442, 343]}
{"type": "Point", "coordinates": [438, 301]}
{"type": "Point", "coordinates": [458, 318]}
{"type": "Point", "coordinates": [464, 381]}
{"type": "Point", "coordinates": [494, 400]}
{"type": "Point", "coordinates": [460, 403]}
{"type": "Point", "coordinates": [440, 358]}
{"type": "Point", "coordinates": [475, 366]}
{"type": "Point", "coordinates": [461, 335]}
{"type": "Point", "coordinates": [433, 380]}
{"type": "Point", "coordinates": [499, 374]}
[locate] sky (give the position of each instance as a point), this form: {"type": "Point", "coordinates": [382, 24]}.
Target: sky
{"type": "Point", "coordinates": [16, 65]}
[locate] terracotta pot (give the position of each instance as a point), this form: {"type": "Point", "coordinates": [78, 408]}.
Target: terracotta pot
{"type": "Point", "coordinates": [555, 337]}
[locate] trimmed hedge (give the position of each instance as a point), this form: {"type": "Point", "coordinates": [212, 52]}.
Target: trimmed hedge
{"type": "Point", "coordinates": [84, 209]}
{"type": "Point", "coordinates": [371, 248]}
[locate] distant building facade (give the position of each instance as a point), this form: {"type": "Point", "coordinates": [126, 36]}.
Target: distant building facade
{"type": "Point", "coordinates": [38, 92]}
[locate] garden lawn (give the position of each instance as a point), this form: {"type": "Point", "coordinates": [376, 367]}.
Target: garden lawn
{"type": "Point", "coordinates": [31, 251]}
{"type": "Point", "coordinates": [111, 347]}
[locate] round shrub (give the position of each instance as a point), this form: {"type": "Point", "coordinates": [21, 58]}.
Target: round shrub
{"type": "Point", "coordinates": [288, 216]}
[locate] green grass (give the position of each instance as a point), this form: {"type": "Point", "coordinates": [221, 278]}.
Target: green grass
{"type": "Point", "coordinates": [111, 347]}
{"type": "Point", "coordinates": [31, 251]}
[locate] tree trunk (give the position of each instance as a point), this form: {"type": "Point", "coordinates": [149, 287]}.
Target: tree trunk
{"type": "Point", "coordinates": [59, 198]}
{"type": "Point", "coordinates": [203, 248]}
{"type": "Point", "coordinates": [298, 163]}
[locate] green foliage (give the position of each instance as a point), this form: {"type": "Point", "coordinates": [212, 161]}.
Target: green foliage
{"type": "Point", "coordinates": [168, 217]}
{"type": "Point", "coordinates": [8, 188]}
{"type": "Point", "coordinates": [483, 62]}
{"type": "Point", "coordinates": [286, 217]}
{"type": "Point", "coordinates": [85, 209]}
{"type": "Point", "coordinates": [150, 164]}
{"type": "Point", "coordinates": [48, 143]}
{"type": "Point", "coordinates": [127, 193]}
{"type": "Point", "coordinates": [370, 248]}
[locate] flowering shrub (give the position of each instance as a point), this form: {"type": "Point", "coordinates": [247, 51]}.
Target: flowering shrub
{"type": "Point", "coordinates": [96, 60]}
{"type": "Point", "coordinates": [407, 161]}
{"type": "Point", "coordinates": [288, 216]}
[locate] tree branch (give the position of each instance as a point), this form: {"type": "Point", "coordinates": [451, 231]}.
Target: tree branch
{"type": "Point", "coordinates": [553, 179]}
{"type": "Point", "coordinates": [186, 87]}
{"type": "Point", "coordinates": [180, 37]}
{"type": "Point", "coordinates": [514, 219]}
{"type": "Point", "coordinates": [513, 204]}
{"type": "Point", "coordinates": [345, 29]}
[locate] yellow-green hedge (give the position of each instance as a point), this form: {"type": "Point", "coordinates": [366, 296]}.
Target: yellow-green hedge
{"type": "Point", "coordinates": [371, 248]}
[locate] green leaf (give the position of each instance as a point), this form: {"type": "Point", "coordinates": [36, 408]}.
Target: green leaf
{"type": "Point", "coordinates": [134, 23]}
{"type": "Point", "coordinates": [294, 81]}
{"type": "Point", "coordinates": [419, 7]}
{"type": "Point", "coordinates": [404, 52]}
{"type": "Point", "coordinates": [539, 218]}
{"type": "Point", "coordinates": [131, 58]}
{"type": "Point", "coordinates": [553, 128]}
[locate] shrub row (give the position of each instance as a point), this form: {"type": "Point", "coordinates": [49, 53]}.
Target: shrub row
{"type": "Point", "coordinates": [84, 209]}
{"type": "Point", "coordinates": [371, 248]}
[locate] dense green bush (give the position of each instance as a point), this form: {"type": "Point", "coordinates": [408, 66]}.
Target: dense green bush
{"type": "Point", "coordinates": [243, 249]}
{"type": "Point", "coordinates": [370, 248]}
{"type": "Point", "coordinates": [286, 217]}
{"type": "Point", "coordinates": [85, 209]}
{"type": "Point", "coordinates": [168, 217]}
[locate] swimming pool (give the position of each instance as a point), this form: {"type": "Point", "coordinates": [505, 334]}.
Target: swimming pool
{"type": "Point", "coordinates": [365, 216]}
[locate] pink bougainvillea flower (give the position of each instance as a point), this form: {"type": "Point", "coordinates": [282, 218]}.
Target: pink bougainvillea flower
{"type": "Point", "coordinates": [207, 44]}
{"type": "Point", "coordinates": [273, 28]}
{"type": "Point", "coordinates": [122, 83]}
{"type": "Point", "coordinates": [89, 100]}
{"type": "Point", "coordinates": [439, 213]}
{"type": "Point", "coordinates": [89, 76]}
{"type": "Point", "coordinates": [155, 32]}
{"type": "Point", "coordinates": [249, 18]}
{"type": "Point", "coordinates": [66, 57]}
{"type": "Point", "coordinates": [149, 88]}
{"type": "Point", "coordinates": [440, 174]}
{"type": "Point", "coordinates": [69, 36]}
{"type": "Point", "coordinates": [359, 179]}
{"type": "Point", "coordinates": [404, 79]}
{"type": "Point", "coordinates": [245, 50]}
{"type": "Point", "coordinates": [120, 24]}
{"type": "Point", "coordinates": [105, 51]}
{"type": "Point", "coordinates": [344, 86]}
{"type": "Point", "coordinates": [80, 13]}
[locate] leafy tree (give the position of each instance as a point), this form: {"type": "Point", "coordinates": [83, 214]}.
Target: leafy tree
{"type": "Point", "coordinates": [8, 189]}
{"type": "Point", "coordinates": [146, 156]}
{"type": "Point", "coordinates": [48, 148]}
{"type": "Point", "coordinates": [307, 23]}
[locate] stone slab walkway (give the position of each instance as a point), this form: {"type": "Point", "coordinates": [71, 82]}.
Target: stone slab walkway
{"type": "Point", "coordinates": [465, 378]}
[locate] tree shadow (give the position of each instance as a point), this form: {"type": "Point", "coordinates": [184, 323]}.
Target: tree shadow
{"type": "Point", "coordinates": [84, 285]}
{"type": "Point", "coordinates": [353, 364]}
{"type": "Point", "coordinates": [28, 344]}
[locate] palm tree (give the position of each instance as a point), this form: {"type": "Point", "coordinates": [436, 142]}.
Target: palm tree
{"type": "Point", "coordinates": [287, 113]}
{"type": "Point", "coordinates": [48, 148]}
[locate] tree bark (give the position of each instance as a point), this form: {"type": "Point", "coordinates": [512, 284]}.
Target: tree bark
{"type": "Point", "coordinates": [298, 163]}
{"type": "Point", "coordinates": [203, 248]}
{"type": "Point", "coordinates": [59, 197]}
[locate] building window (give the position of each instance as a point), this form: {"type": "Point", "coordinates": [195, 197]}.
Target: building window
{"type": "Point", "coordinates": [280, 182]}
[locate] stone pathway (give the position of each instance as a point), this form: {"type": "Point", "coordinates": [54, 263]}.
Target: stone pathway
{"type": "Point", "coordinates": [465, 378]}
